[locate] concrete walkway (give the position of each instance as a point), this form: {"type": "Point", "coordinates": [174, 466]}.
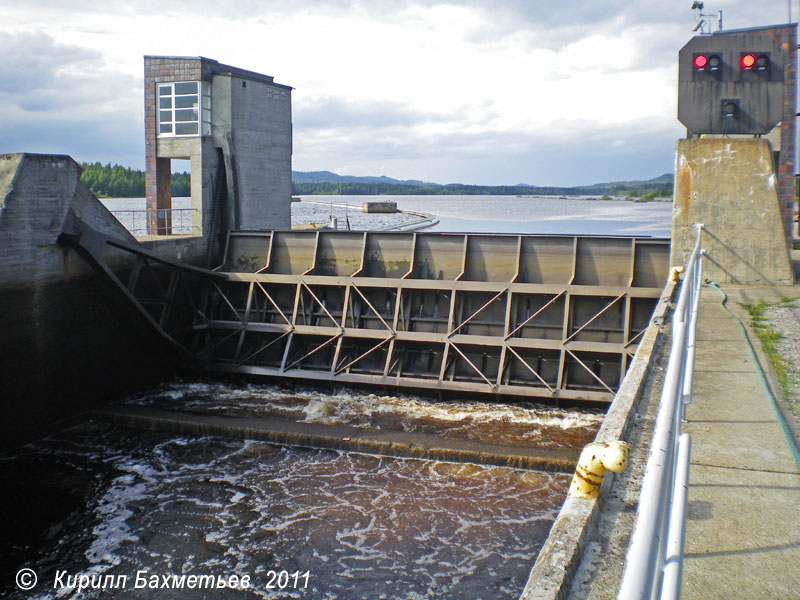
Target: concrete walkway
{"type": "Point", "coordinates": [743, 529]}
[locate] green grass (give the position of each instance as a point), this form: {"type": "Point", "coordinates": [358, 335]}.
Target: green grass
{"type": "Point", "coordinates": [770, 338]}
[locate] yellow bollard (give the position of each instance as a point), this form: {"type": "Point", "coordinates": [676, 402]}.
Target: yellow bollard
{"type": "Point", "coordinates": [595, 460]}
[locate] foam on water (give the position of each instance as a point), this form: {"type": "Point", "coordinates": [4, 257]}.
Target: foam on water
{"type": "Point", "coordinates": [364, 526]}
{"type": "Point", "coordinates": [521, 423]}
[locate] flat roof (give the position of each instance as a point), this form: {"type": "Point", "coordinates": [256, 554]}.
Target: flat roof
{"type": "Point", "coordinates": [760, 28]}
{"type": "Point", "coordinates": [218, 68]}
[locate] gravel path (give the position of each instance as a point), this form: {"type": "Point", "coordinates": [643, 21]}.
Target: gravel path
{"type": "Point", "coordinates": [786, 320]}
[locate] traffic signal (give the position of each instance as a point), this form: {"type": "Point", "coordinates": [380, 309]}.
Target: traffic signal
{"type": "Point", "coordinates": [732, 82]}
{"type": "Point", "coordinates": [707, 62]}
{"type": "Point", "coordinates": [751, 61]}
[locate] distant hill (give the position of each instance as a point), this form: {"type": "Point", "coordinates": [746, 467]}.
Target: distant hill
{"type": "Point", "coordinates": [328, 177]}
{"type": "Point", "coordinates": [665, 179]}
{"type": "Point", "coordinates": [328, 183]}
{"type": "Point", "coordinates": [117, 181]}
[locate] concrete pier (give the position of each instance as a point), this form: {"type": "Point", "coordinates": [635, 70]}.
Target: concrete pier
{"type": "Point", "coordinates": [730, 186]}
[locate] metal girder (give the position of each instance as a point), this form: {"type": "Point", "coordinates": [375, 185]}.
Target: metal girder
{"type": "Point", "coordinates": [420, 327]}
{"type": "Point", "coordinates": [439, 308]}
{"type": "Point", "coordinates": [438, 284]}
{"type": "Point", "coordinates": [522, 391]}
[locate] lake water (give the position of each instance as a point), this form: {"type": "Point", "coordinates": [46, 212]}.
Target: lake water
{"type": "Point", "coordinates": [581, 215]}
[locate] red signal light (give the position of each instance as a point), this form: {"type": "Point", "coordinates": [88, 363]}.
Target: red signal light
{"type": "Point", "coordinates": [747, 61]}
{"type": "Point", "coordinates": [700, 61]}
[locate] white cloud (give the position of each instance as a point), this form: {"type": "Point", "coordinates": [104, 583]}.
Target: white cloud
{"type": "Point", "coordinates": [474, 91]}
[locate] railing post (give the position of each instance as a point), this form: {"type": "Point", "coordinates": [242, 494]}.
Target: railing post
{"type": "Point", "coordinates": [654, 557]}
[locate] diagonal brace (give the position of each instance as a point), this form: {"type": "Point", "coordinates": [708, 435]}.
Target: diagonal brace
{"type": "Point", "coordinates": [531, 369]}
{"type": "Point", "coordinates": [271, 301]}
{"type": "Point", "coordinates": [592, 373]}
{"type": "Point", "coordinates": [536, 314]}
{"type": "Point", "coordinates": [317, 349]}
{"type": "Point", "coordinates": [470, 363]}
{"type": "Point", "coordinates": [321, 305]}
{"type": "Point", "coordinates": [370, 351]}
{"type": "Point", "coordinates": [475, 314]}
{"type": "Point", "coordinates": [372, 308]}
{"type": "Point", "coordinates": [594, 318]}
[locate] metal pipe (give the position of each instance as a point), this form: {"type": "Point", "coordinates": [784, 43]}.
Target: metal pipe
{"type": "Point", "coordinates": [673, 567]}
{"type": "Point", "coordinates": [638, 576]}
{"type": "Point", "coordinates": [594, 461]}
{"type": "Point", "coordinates": [641, 576]}
{"type": "Point", "coordinates": [692, 336]}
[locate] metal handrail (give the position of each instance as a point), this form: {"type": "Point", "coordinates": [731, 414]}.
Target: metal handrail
{"type": "Point", "coordinates": [158, 221]}
{"type": "Point", "coordinates": [654, 560]}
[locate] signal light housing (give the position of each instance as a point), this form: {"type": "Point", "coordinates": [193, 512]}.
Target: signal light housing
{"type": "Point", "coordinates": [729, 108]}
{"type": "Point", "coordinates": [706, 62]}
{"type": "Point", "coordinates": [700, 61]}
{"type": "Point", "coordinates": [750, 61]}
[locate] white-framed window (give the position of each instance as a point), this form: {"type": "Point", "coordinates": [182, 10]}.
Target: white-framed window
{"type": "Point", "coordinates": [184, 109]}
{"type": "Point", "coordinates": [276, 94]}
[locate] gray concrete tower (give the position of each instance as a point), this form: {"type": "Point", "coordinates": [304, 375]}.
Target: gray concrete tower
{"type": "Point", "coordinates": [235, 126]}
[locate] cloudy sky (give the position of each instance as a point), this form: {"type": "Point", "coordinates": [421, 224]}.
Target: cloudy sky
{"type": "Point", "coordinates": [477, 91]}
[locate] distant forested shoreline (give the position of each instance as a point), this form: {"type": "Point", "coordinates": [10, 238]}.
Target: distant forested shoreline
{"type": "Point", "coordinates": [107, 181]}
{"type": "Point", "coordinates": [379, 189]}
{"type": "Point", "coordinates": [116, 181]}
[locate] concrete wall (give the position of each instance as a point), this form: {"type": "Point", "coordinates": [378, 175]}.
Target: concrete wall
{"type": "Point", "coordinates": [259, 121]}
{"type": "Point", "coordinates": [67, 341]}
{"type": "Point", "coordinates": [731, 187]}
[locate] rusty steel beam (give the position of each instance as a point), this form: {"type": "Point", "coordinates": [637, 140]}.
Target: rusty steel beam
{"type": "Point", "coordinates": [439, 280]}
{"type": "Point", "coordinates": [535, 316]}
{"type": "Point", "coordinates": [520, 391]}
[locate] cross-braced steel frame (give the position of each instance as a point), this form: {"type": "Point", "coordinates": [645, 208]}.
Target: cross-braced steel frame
{"type": "Point", "coordinates": [318, 306]}
{"type": "Point", "coordinates": [538, 316]}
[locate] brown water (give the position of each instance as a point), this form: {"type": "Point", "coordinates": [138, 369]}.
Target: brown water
{"type": "Point", "coordinates": [522, 423]}
{"type": "Point", "coordinates": [104, 500]}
